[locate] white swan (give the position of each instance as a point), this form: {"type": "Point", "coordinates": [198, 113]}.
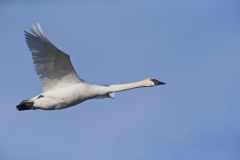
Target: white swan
{"type": "Point", "coordinates": [62, 87]}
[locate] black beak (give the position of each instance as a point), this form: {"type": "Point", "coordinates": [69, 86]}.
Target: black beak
{"type": "Point", "coordinates": [157, 82]}
{"type": "Point", "coordinates": [25, 105]}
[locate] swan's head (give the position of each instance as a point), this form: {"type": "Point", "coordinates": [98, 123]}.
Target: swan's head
{"type": "Point", "coordinates": [150, 82]}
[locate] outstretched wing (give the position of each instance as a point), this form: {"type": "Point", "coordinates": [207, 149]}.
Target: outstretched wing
{"type": "Point", "coordinates": [53, 66]}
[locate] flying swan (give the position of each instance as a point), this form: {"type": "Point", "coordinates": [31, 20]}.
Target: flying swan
{"type": "Point", "coordinates": [62, 87]}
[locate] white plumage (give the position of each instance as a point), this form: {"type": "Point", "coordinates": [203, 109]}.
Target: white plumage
{"type": "Point", "coordinates": [62, 87]}
{"type": "Point", "coordinates": [52, 65]}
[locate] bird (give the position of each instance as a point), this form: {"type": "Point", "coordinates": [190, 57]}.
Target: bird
{"type": "Point", "coordinates": [62, 87]}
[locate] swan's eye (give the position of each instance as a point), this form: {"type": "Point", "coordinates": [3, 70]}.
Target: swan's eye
{"type": "Point", "coordinates": [41, 96]}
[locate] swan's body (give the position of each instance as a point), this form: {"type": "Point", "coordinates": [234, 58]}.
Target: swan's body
{"type": "Point", "coordinates": [62, 87]}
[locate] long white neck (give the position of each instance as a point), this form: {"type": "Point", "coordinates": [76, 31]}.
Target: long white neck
{"type": "Point", "coordinates": [144, 83]}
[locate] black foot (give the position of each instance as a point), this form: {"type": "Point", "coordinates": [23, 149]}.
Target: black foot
{"type": "Point", "coordinates": [25, 105]}
{"type": "Point", "coordinates": [157, 82]}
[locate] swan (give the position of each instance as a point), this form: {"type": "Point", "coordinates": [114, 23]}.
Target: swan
{"type": "Point", "coordinates": [62, 87]}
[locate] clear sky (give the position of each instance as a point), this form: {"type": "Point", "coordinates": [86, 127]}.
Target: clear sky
{"type": "Point", "coordinates": [193, 46]}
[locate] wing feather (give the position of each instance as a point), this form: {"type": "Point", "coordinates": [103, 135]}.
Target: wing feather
{"type": "Point", "coordinates": [52, 65]}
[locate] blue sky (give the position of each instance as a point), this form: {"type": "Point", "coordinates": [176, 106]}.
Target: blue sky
{"type": "Point", "coordinates": [193, 46]}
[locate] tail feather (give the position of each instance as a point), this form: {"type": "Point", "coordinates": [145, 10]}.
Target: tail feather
{"type": "Point", "coordinates": [25, 105]}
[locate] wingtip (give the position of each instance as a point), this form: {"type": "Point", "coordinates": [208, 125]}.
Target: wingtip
{"type": "Point", "coordinates": [37, 30]}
